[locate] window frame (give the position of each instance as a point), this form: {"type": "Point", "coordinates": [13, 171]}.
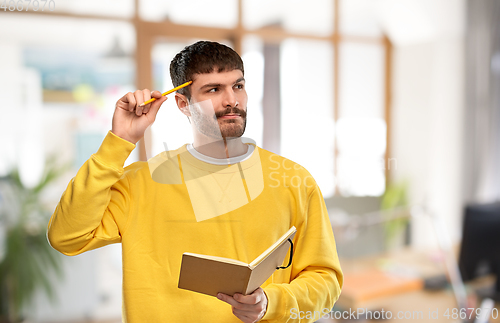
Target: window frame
{"type": "Point", "coordinates": [148, 32]}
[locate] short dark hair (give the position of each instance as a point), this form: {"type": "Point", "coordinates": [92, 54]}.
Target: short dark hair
{"type": "Point", "coordinates": [200, 58]}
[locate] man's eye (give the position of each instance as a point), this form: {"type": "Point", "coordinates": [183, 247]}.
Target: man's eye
{"type": "Point", "coordinates": [213, 90]}
{"type": "Point", "coordinates": [239, 86]}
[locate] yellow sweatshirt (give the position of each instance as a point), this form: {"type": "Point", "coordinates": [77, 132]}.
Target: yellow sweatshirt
{"type": "Point", "coordinates": [157, 218]}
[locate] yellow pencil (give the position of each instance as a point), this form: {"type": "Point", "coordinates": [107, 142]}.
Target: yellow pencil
{"type": "Point", "coordinates": [168, 92]}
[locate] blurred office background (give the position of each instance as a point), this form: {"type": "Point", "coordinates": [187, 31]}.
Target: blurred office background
{"type": "Point", "coordinates": [392, 105]}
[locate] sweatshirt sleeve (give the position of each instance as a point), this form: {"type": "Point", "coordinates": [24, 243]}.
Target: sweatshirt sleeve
{"type": "Point", "coordinates": [93, 209]}
{"type": "Point", "coordinates": [316, 276]}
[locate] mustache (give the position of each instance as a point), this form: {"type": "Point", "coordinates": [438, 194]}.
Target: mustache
{"type": "Point", "coordinates": [237, 110]}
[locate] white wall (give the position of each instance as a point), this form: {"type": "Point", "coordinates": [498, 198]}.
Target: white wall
{"type": "Point", "coordinates": [91, 286]}
{"type": "Point", "coordinates": [428, 107]}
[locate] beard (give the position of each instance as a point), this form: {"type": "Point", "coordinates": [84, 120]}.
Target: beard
{"type": "Point", "coordinates": [213, 127]}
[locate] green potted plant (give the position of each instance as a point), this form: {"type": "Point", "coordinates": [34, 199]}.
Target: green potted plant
{"type": "Point", "coordinates": [394, 204]}
{"type": "Point", "coordinates": [26, 258]}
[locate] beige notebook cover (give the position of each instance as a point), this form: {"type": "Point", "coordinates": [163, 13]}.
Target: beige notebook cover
{"type": "Point", "coordinates": [211, 275]}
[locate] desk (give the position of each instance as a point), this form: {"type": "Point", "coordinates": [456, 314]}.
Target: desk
{"type": "Point", "coordinates": [413, 306]}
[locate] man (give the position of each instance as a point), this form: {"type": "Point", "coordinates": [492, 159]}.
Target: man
{"type": "Point", "coordinates": [153, 208]}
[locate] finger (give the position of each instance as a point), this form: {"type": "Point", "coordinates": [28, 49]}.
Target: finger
{"type": "Point", "coordinates": [139, 98]}
{"type": "Point", "coordinates": [127, 102]}
{"type": "Point", "coordinates": [247, 310]}
{"type": "Point", "coordinates": [244, 317]}
{"type": "Point", "coordinates": [147, 97]}
{"type": "Point", "coordinates": [253, 298]}
{"type": "Point", "coordinates": [228, 299]}
{"type": "Point", "coordinates": [231, 301]}
{"type": "Point", "coordinates": [248, 299]}
{"type": "Point", "coordinates": [155, 106]}
{"type": "Point", "coordinates": [155, 94]}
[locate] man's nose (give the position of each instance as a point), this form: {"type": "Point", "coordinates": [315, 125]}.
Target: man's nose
{"type": "Point", "coordinates": [229, 100]}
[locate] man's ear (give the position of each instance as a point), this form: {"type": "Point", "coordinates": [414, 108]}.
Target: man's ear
{"type": "Point", "coordinates": [182, 104]}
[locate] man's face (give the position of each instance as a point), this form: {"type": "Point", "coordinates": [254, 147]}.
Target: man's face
{"type": "Point", "coordinates": [226, 115]}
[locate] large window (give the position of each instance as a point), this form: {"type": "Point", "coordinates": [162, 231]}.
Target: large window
{"type": "Point", "coordinates": [361, 127]}
{"type": "Point", "coordinates": [62, 86]}
{"type": "Point", "coordinates": [307, 118]}
{"type": "Point", "coordinates": [317, 75]}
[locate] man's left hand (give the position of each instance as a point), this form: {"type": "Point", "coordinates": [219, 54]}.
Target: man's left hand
{"type": "Point", "coordinates": [248, 308]}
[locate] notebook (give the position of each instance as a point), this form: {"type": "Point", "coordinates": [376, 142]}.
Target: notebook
{"type": "Point", "coordinates": [210, 275]}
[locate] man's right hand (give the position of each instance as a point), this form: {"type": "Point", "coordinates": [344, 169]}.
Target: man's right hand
{"type": "Point", "coordinates": [129, 120]}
